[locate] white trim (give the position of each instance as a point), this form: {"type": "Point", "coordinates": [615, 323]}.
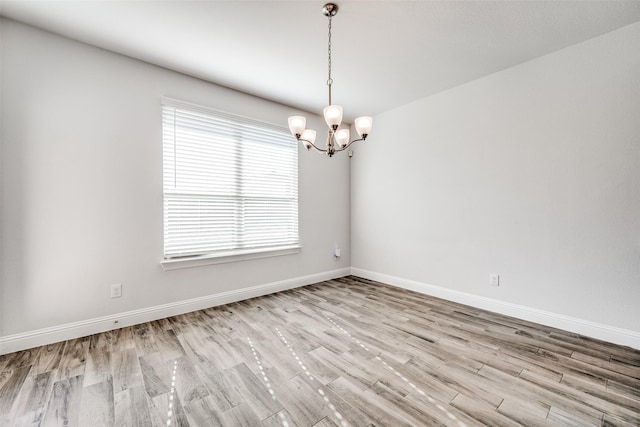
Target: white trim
{"type": "Point", "coordinates": [25, 340]}
{"type": "Point", "coordinates": [221, 258]}
{"type": "Point", "coordinates": [572, 324]}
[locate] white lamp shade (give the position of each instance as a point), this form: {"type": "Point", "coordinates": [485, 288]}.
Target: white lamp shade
{"type": "Point", "coordinates": [333, 115]}
{"type": "Point", "coordinates": [297, 125]}
{"type": "Point", "coordinates": [342, 137]}
{"type": "Point", "coordinates": [363, 125]}
{"type": "Point", "coordinates": [309, 135]}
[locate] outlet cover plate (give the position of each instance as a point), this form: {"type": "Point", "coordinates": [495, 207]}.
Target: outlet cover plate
{"type": "Point", "coordinates": [116, 291]}
{"type": "Point", "coordinates": [494, 279]}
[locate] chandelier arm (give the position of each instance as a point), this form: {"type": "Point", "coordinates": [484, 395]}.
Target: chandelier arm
{"type": "Point", "coordinates": [312, 144]}
{"type": "Point", "coordinates": [349, 144]}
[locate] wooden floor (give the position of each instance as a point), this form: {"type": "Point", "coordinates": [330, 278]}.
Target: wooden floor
{"type": "Point", "coordinates": [338, 353]}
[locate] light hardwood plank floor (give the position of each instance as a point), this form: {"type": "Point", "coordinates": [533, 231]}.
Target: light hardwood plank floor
{"type": "Point", "coordinates": [346, 352]}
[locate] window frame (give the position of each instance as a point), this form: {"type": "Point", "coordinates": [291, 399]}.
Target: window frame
{"type": "Point", "coordinates": [231, 254]}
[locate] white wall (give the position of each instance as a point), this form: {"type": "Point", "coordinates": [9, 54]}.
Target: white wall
{"type": "Point", "coordinates": [532, 173]}
{"type": "Point", "coordinates": [82, 187]}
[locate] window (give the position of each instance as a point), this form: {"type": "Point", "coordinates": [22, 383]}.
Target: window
{"type": "Point", "coordinates": [230, 183]}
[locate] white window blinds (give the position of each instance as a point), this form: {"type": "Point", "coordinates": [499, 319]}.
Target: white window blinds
{"type": "Point", "coordinates": [230, 183]}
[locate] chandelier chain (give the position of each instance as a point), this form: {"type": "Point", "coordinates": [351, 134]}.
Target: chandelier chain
{"type": "Point", "coordinates": [329, 79]}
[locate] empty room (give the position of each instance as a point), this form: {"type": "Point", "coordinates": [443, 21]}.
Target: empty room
{"type": "Point", "coordinates": [299, 213]}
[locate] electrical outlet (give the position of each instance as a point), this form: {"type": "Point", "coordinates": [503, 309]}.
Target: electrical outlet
{"type": "Point", "coordinates": [494, 279]}
{"type": "Point", "coordinates": [336, 250]}
{"type": "Point", "coordinates": [116, 291]}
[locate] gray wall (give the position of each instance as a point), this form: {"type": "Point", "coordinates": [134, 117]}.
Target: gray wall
{"type": "Point", "coordinates": [82, 186]}
{"type": "Point", "coordinates": [532, 173]}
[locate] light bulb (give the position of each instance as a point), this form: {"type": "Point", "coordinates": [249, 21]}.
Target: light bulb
{"type": "Point", "coordinates": [308, 135]}
{"type": "Point", "coordinates": [342, 137]}
{"type": "Point", "coordinates": [363, 125]}
{"type": "Point", "coordinates": [333, 116]}
{"type": "Point", "coordinates": [297, 125]}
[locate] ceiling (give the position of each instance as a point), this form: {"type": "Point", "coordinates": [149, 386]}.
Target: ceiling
{"type": "Point", "coordinates": [384, 53]}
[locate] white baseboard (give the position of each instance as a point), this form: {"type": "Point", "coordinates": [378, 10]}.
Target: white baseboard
{"type": "Point", "coordinates": [25, 340]}
{"type": "Point", "coordinates": [579, 326]}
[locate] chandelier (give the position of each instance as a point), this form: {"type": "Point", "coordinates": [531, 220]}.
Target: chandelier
{"type": "Point", "coordinates": [337, 139]}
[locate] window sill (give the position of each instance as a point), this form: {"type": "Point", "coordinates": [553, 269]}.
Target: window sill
{"type": "Point", "coordinates": [224, 257]}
